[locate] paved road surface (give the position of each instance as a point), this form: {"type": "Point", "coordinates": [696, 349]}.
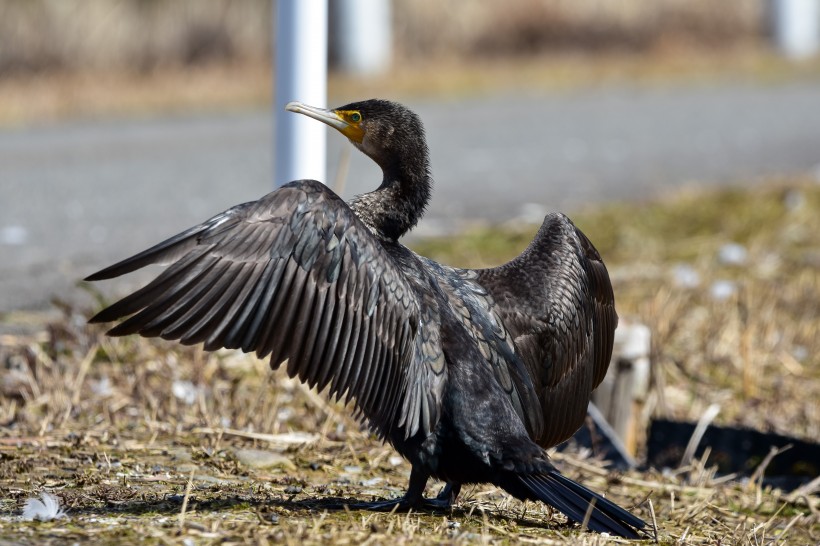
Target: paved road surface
{"type": "Point", "coordinates": [77, 196]}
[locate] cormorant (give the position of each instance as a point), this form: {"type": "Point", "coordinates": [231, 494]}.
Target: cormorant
{"type": "Point", "coordinates": [469, 374]}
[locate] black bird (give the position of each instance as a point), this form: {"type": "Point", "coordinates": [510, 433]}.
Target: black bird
{"type": "Point", "coordinates": [469, 374]}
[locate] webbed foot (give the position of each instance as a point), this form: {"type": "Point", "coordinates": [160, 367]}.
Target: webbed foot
{"type": "Point", "coordinates": [444, 501]}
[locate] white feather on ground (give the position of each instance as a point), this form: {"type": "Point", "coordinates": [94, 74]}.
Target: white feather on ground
{"type": "Point", "coordinates": [46, 509]}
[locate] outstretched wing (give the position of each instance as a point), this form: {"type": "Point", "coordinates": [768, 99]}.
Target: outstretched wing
{"type": "Point", "coordinates": [557, 302]}
{"type": "Point", "coordinates": [297, 276]}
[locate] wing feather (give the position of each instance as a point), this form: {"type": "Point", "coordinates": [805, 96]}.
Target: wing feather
{"type": "Point", "coordinates": [323, 342]}
{"type": "Point", "coordinates": [354, 367]}
{"type": "Point", "coordinates": [376, 352]}
{"type": "Point", "coordinates": [301, 327]}
{"type": "Point", "coordinates": [241, 306]}
{"type": "Point", "coordinates": [254, 333]}
{"type": "Point", "coordinates": [177, 309]}
{"type": "Point", "coordinates": [335, 345]}
{"type": "Point", "coordinates": [280, 314]}
{"type": "Point", "coordinates": [200, 330]}
{"type": "Point", "coordinates": [304, 358]}
{"type": "Point", "coordinates": [195, 283]}
{"type": "Point", "coordinates": [149, 292]}
{"type": "Point", "coordinates": [297, 276]}
{"type": "Point", "coordinates": [556, 300]}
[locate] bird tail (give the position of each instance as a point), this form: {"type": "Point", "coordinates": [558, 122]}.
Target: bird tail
{"type": "Point", "coordinates": [578, 503]}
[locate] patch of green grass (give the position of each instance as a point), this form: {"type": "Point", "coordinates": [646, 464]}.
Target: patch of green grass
{"type": "Point", "coordinates": [682, 227]}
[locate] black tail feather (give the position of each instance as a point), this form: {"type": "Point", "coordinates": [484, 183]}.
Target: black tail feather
{"type": "Point", "coordinates": [574, 500]}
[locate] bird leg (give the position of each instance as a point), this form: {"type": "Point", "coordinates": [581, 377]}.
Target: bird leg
{"type": "Point", "coordinates": [414, 497]}
{"type": "Point", "coordinates": [447, 496]}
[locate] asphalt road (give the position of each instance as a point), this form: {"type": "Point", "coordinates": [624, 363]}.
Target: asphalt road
{"type": "Point", "coordinates": [75, 197]}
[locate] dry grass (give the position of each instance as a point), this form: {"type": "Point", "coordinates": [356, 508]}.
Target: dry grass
{"type": "Point", "coordinates": [148, 441]}
{"type": "Point", "coordinates": [48, 97]}
{"type": "Point", "coordinates": [140, 35]}
{"type": "Point", "coordinates": [100, 58]}
{"type": "Point", "coordinates": [51, 96]}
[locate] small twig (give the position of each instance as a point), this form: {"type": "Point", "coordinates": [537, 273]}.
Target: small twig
{"type": "Point", "coordinates": [768, 523]}
{"type": "Point", "coordinates": [761, 468]}
{"type": "Point", "coordinates": [288, 438]}
{"type": "Point", "coordinates": [654, 521]}
{"type": "Point", "coordinates": [804, 490]}
{"type": "Point", "coordinates": [85, 365]}
{"type": "Point", "coordinates": [662, 486]}
{"type": "Point", "coordinates": [317, 523]}
{"type": "Point", "coordinates": [745, 349]}
{"type": "Point", "coordinates": [188, 487]}
{"type": "Point", "coordinates": [697, 435]}
{"type": "Point", "coordinates": [757, 476]}
{"type": "Point", "coordinates": [787, 527]}
{"type": "Point", "coordinates": [588, 515]}
{"type": "Point", "coordinates": [76, 388]}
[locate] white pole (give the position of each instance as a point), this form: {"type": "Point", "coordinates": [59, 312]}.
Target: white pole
{"type": "Point", "coordinates": [301, 74]}
{"type": "Point", "coordinates": [362, 36]}
{"type": "Point", "coordinates": [797, 27]}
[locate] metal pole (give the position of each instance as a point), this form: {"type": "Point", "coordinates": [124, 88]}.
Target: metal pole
{"type": "Point", "coordinates": [797, 27]}
{"type": "Point", "coordinates": [362, 36]}
{"type": "Point", "coordinates": [300, 74]}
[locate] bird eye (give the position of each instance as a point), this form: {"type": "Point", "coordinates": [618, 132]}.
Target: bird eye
{"type": "Point", "coordinates": [355, 117]}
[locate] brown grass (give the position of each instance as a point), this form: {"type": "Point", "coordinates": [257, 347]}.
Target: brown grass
{"type": "Point", "coordinates": [97, 420]}
{"type": "Point", "coordinates": [50, 96]}
{"type": "Point", "coordinates": [139, 35]}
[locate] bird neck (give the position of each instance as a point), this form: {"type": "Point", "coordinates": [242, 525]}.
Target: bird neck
{"type": "Point", "coordinates": [399, 202]}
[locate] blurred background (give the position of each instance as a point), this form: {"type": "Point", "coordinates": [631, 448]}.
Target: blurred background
{"type": "Point", "coordinates": [142, 36]}
{"type": "Point", "coordinates": [81, 51]}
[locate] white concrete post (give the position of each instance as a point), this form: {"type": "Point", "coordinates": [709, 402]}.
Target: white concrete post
{"type": "Point", "coordinates": [622, 393]}
{"type": "Point", "coordinates": [362, 36]}
{"type": "Point", "coordinates": [300, 74]}
{"type": "Point", "coordinates": [797, 27]}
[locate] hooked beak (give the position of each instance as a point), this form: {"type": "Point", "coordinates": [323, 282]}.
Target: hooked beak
{"type": "Point", "coordinates": [328, 117]}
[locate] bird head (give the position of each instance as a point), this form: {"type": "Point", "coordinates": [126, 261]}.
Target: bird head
{"type": "Point", "coordinates": [383, 130]}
